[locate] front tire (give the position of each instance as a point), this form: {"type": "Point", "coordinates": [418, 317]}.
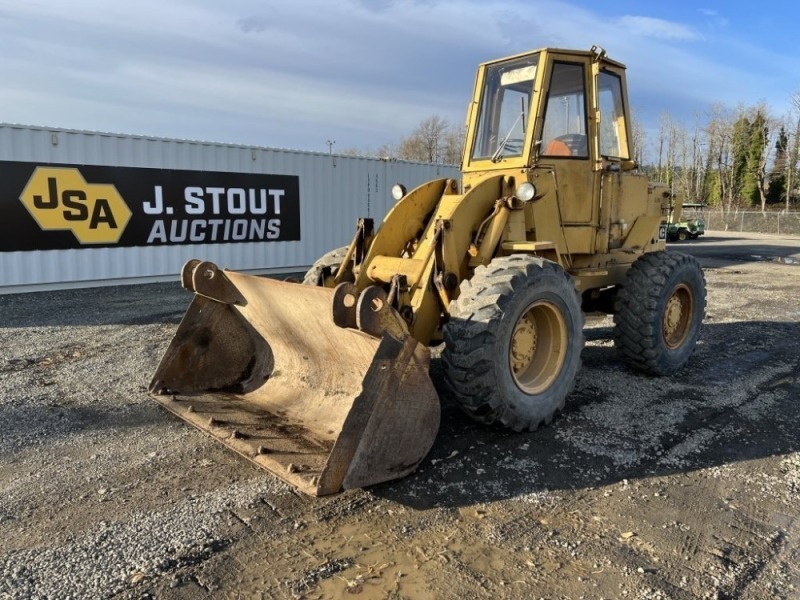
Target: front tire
{"type": "Point", "coordinates": [513, 342]}
{"type": "Point", "coordinates": [659, 312]}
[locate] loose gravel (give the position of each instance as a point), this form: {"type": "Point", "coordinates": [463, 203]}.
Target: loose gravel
{"type": "Point", "coordinates": [681, 487]}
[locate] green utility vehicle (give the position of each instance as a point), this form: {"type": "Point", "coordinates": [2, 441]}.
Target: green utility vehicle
{"type": "Point", "coordinates": [688, 225]}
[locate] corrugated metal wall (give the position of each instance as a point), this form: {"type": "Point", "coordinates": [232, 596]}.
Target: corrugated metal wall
{"type": "Point", "coordinates": [334, 192]}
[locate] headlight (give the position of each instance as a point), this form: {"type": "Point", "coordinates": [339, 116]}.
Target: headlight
{"type": "Point", "coordinates": [398, 191]}
{"type": "Point", "coordinates": [525, 191]}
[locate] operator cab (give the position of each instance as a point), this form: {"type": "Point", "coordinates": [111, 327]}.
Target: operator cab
{"type": "Point", "coordinates": [540, 106]}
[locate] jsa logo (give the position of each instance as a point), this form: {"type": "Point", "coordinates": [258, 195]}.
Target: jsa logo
{"type": "Point", "coordinates": [60, 198]}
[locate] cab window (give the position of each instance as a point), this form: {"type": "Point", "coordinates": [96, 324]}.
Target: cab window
{"type": "Point", "coordinates": [503, 116]}
{"type": "Point", "coordinates": [613, 137]}
{"type": "Point", "coordinates": [564, 132]}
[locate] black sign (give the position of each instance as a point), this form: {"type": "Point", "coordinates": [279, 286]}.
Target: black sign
{"type": "Point", "coordinates": [53, 206]}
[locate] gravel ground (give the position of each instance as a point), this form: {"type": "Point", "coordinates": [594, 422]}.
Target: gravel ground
{"type": "Point", "coordinates": [681, 487]}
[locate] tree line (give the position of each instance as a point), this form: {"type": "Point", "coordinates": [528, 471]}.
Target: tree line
{"type": "Point", "coordinates": [434, 140]}
{"type": "Point", "coordinates": [733, 158]}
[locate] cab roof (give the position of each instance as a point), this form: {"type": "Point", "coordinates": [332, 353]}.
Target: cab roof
{"type": "Point", "coordinates": [568, 51]}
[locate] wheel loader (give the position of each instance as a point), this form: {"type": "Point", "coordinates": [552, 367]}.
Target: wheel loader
{"type": "Point", "coordinates": [326, 383]}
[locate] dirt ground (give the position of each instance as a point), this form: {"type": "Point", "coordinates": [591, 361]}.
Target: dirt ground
{"type": "Point", "coordinates": [683, 487]}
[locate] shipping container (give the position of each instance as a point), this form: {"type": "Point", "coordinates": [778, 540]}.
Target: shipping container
{"type": "Point", "coordinates": [82, 208]}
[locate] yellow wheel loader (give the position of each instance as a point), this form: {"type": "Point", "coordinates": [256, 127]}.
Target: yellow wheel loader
{"type": "Point", "coordinates": [326, 383]}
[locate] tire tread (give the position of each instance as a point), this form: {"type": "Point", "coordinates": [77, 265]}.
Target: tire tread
{"type": "Point", "coordinates": [471, 334]}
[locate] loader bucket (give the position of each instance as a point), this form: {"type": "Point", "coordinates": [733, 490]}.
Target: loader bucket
{"type": "Point", "coordinates": [259, 365]}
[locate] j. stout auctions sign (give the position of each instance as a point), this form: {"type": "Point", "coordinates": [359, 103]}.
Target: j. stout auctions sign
{"type": "Point", "coordinates": [52, 207]}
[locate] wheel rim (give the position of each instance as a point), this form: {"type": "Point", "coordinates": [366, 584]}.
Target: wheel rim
{"type": "Point", "coordinates": [677, 318]}
{"type": "Point", "coordinates": [538, 347]}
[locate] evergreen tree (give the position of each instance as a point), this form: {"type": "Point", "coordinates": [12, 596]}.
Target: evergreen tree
{"type": "Point", "coordinates": [754, 158]}
{"type": "Point", "coordinates": [740, 146]}
{"type": "Point", "coordinates": [777, 178]}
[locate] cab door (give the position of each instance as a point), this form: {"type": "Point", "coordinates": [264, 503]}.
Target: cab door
{"type": "Point", "coordinates": [623, 194]}
{"type": "Point", "coordinates": [566, 145]}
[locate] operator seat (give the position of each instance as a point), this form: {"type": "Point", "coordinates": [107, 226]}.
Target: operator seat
{"type": "Point", "coordinates": [572, 144]}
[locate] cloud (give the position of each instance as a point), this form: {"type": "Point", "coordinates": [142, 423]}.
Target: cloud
{"type": "Point", "coordinates": [363, 72]}
{"type": "Point", "coordinates": [252, 24]}
{"type": "Point", "coordinates": [714, 19]}
{"type": "Point", "coordinates": [657, 28]}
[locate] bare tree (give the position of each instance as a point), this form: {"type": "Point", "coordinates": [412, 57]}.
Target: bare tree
{"type": "Point", "coordinates": [698, 146]}
{"type": "Point", "coordinates": [388, 151]}
{"type": "Point", "coordinates": [353, 151]}
{"type": "Point", "coordinates": [427, 142]}
{"type": "Point", "coordinates": [663, 125]}
{"type": "Point", "coordinates": [682, 163]}
{"type": "Point", "coordinates": [762, 142]}
{"type": "Point", "coordinates": [639, 139]}
{"type": "Point", "coordinates": [794, 150]}
{"type": "Point", "coordinates": [434, 140]}
{"type": "Point", "coordinates": [454, 145]}
{"type": "Point", "coordinates": [670, 141]}
{"type": "Point", "coordinates": [719, 132]}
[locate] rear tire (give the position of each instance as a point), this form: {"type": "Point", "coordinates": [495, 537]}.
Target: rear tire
{"type": "Point", "coordinates": [683, 235]}
{"type": "Point", "coordinates": [513, 342]}
{"type": "Point", "coordinates": [659, 312]}
{"type": "Point", "coordinates": [325, 267]}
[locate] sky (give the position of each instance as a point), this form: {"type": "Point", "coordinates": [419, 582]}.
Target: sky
{"type": "Point", "coordinates": [363, 73]}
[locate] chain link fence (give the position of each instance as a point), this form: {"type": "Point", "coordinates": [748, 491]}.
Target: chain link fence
{"type": "Point", "coordinates": [755, 221]}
